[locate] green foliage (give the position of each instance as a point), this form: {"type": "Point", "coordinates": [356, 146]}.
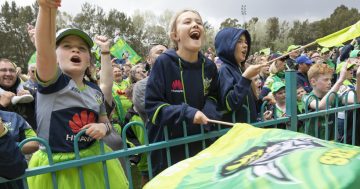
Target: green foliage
{"type": "Point", "coordinates": [145, 27]}
{"type": "Point", "coordinates": [15, 43]}
{"type": "Point", "coordinates": [230, 22]}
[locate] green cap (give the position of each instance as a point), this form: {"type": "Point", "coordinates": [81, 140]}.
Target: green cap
{"type": "Point", "coordinates": [293, 47]}
{"type": "Point", "coordinates": [324, 50]}
{"type": "Point", "coordinates": [339, 66]}
{"type": "Point", "coordinates": [73, 31]}
{"type": "Point", "coordinates": [276, 86]}
{"type": "Point", "coordinates": [354, 54]}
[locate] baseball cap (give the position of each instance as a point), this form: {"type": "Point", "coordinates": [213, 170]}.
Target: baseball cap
{"type": "Point", "coordinates": [73, 31]}
{"type": "Point", "coordinates": [276, 86]}
{"type": "Point", "coordinates": [355, 53]}
{"type": "Point", "coordinates": [293, 47]}
{"type": "Point", "coordinates": [303, 59]}
{"type": "Point", "coordinates": [339, 66]}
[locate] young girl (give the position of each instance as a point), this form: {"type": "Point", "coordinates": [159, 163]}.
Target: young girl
{"type": "Point", "coordinates": [68, 104]}
{"type": "Point", "coordinates": [181, 87]}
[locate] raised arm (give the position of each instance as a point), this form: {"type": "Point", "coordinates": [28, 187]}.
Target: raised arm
{"type": "Point", "coordinates": [106, 75]}
{"type": "Point", "coordinates": [45, 45]}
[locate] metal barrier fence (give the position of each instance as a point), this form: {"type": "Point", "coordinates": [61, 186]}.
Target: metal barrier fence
{"type": "Point", "coordinates": [292, 119]}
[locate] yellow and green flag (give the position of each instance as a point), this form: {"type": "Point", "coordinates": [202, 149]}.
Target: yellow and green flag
{"type": "Point", "coordinates": [341, 36]}
{"type": "Point", "coordinates": [249, 157]}
{"type": "Point", "coordinates": [121, 47]}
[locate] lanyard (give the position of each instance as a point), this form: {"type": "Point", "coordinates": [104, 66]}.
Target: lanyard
{"type": "Point", "coordinates": [182, 79]}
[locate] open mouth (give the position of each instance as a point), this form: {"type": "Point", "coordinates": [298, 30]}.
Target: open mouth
{"type": "Point", "coordinates": [195, 35]}
{"type": "Point", "coordinates": [244, 52]}
{"type": "Point", "coordinates": [75, 59]}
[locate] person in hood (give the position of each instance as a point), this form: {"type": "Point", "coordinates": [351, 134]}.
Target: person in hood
{"type": "Point", "coordinates": [181, 88]}
{"type": "Point", "coordinates": [233, 47]}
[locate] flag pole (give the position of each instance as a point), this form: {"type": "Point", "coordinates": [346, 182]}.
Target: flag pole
{"type": "Point", "coordinates": [286, 54]}
{"type": "Point", "coordinates": [221, 122]}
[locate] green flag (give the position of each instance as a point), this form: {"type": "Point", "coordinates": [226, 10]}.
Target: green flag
{"type": "Point", "coordinates": [32, 59]}
{"type": "Point", "coordinates": [265, 51]}
{"type": "Point", "coordinates": [121, 47]}
{"type": "Point", "coordinates": [341, 36]}
{"type": "Point", "coordinates": [250, 157]}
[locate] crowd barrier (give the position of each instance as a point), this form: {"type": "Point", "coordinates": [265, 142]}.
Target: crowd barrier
{"type": "Point", "coordinates": [291, 119]}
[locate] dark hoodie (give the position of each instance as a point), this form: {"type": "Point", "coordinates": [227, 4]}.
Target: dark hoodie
{"type": "Point", "coordinates": [165, 103]}
{"type": "Point", "coordinates": [235, 90]}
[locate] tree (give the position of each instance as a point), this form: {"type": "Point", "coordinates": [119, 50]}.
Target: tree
{"type": "Point", "coordinates": [15, 42]}
{"type": "Point", "coordinates": [230, 22]}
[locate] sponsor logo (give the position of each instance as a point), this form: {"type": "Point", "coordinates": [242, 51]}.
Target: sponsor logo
{"type": "Point", "coordinates": [79, 120]}
{"type": "Point", "coordinates": [263, 161]}
{"type": "Point", "coordinates": [81, 138]}
{"type": "Point", "coordinates": [176, 86]}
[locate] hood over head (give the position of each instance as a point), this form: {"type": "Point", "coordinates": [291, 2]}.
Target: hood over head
{"type": "Point", "coordinates": [225, 44]}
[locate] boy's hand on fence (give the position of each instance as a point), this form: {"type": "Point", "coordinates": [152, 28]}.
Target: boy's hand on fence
{"type": "Point", "coordinates": [200, 118]}
{"type": "Point", "coordinates": [49, 3]}
{"type": "Point", "coordinates": [95, 130]}
{"type": "Point", "coordinates": [268, 115]}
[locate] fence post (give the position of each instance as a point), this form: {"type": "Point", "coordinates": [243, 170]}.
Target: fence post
{"type": "Point", "coordinates": [291, 98]}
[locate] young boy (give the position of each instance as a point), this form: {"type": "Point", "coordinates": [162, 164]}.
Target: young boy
{"type": "Point", "coordinates": [320, 76]}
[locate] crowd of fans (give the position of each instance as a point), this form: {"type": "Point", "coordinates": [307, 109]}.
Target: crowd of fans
{"type": "Point", "coordinates": [64, 93]}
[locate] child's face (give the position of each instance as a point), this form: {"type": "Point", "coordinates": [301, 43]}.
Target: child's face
{"type": "Point", "coordinates": [300, 93]}
{"type": "Point", "coordinates": [322, 84]}
{"type": "Point", "coordinates": [349, 73]}
{"type": "Point", "coordinates": [73, 55]}
{"type": "Point", "coordinates": [280, 65]}
{"type": "Point", "coordinates": [280, 96]}
{"type": "Point", "coordinates": [241, 49]}
{"type": "Point", "coordinates": [189, 32]}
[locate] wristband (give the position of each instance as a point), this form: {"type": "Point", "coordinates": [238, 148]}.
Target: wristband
{"type": "Point", "coordinates": [108, 128]}
{"type": "Point", "coordinates": [105, 52]}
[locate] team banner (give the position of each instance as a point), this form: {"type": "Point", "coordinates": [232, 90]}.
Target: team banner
{"type": "Point", "coordinates": [121, 47]}
{"type": "Point", "coordinates": [341, 36]}
{"type": "Point", "coordinates": [249, 157]}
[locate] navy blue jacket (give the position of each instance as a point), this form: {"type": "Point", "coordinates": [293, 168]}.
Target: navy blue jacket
{"type": "Point", "coordinates": [235, 90]}
{"type": "Point", "coordinates": [302, 80]}
{"type": "Point", "coordinates": [12, 162]}
{"type": "Point", "coordinates": [175, 91]}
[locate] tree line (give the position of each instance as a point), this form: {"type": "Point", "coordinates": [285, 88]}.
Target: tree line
{"type": "Point", "coordinates": [145, 28]}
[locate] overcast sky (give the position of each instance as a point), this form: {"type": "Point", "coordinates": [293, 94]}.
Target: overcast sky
{"type": "Point", "coordinates": [216, 11]}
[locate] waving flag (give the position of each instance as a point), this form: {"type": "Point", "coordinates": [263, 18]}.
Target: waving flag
{"type": "Point", "coordinates": [249, 157]}
{"type": "Point", "coordinates": [341, 36]}
{"type": "Point", "coordinates": [121, 47]}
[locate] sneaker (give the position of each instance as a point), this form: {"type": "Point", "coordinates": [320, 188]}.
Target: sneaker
{"type": "Point", "coordinates": [22, 99]}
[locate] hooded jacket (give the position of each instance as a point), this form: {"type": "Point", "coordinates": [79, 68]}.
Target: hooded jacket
{"type": "Point", "coordinates": [175, 91]}
{"type": "Point", "coordinates": [235, 90]}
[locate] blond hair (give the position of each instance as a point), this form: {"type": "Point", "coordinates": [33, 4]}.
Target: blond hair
{"type": "Point", "coordinates": [173, 24]}
{"type": "Point", "coordinates": [319, 69]}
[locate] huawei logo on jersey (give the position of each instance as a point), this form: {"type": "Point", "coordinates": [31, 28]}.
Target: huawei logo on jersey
{"type": "Point", "coordinates": [78, 121]}
{"type": "Point", "coordinates": [176, 86]}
